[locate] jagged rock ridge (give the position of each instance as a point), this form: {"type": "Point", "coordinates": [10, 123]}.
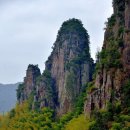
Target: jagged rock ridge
{"type": "Point", "coordinates": [67, 70]}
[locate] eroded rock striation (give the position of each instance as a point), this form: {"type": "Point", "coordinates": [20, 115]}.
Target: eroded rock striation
{"type": "Point", "coordinates": [113, 67]}
{"type": "Point", "coordinates": [67, 70]}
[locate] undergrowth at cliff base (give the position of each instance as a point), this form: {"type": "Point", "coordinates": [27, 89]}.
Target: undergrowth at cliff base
{"type": "Point", "coordinates": [23, 118]}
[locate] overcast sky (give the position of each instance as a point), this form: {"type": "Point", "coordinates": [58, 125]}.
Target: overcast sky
{"type": "Point", "coordinates": [28, 29]}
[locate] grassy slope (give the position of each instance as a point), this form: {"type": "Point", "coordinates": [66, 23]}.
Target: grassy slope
{"type": "Point", "coordinates": [79, 123]}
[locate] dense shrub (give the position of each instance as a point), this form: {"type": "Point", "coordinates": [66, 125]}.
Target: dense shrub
{"type": "Point", "coordinates": [72, 26]}
{"type": "Point", "coordinates": [100, 120]}
{"type": "Point", "coordinates": [116, 126]}
{"type": "Point", "coordinates": [22, 118]}
{"type": "Point", "coordinates": [126, 93]}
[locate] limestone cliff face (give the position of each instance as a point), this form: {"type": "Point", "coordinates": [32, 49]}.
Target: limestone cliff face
{"type": "Point", "coordinates": [113, 68]}
{"type": "Point", "coordinates": [67, 70]}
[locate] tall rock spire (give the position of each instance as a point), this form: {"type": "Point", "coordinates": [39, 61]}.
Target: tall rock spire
{"type": "Point", "coordinates": [67, 70]}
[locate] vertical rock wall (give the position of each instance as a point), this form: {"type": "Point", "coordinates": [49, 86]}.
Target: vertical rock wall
{"type": "Point", "coordinates": [114, 63]}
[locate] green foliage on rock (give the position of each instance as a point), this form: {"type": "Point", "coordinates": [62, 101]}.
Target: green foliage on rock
{"type": "Point", "coordinates": [126, 93]}
{"type": "Point", "coordinates": [71, 26]}
{"type": "Point", "coordinates": [111, 56]}
{"type": "Point", "coordinates": [111, 21]}
{"type": "Point", "coordinates": [20, 91]}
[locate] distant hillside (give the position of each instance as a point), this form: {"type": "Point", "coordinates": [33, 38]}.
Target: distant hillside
{"type": "Point", "coordinates": [7, 96]}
